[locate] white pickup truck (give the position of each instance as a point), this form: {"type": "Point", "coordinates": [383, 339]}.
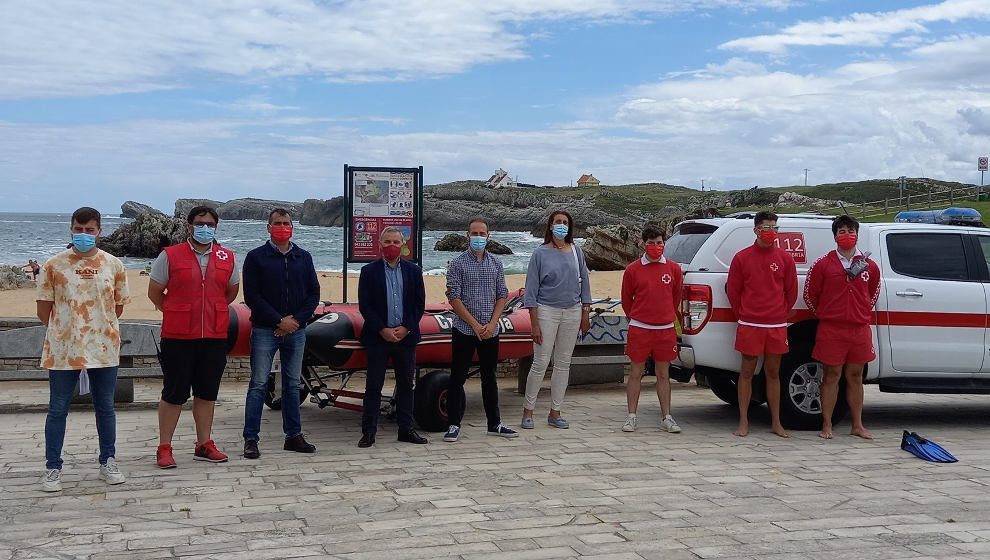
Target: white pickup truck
{"type": "Point", "coordinates": [930, 322]}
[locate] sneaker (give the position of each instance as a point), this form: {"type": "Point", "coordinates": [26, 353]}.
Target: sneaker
{"type": "Point", "coordinates": [251, 450]}
{"type": "Point", "coordinates": [452, 434]}
{"type": "Point", "coordinates": [164, 456]}
{"type": "Point", "coordinates": [110, 472]}
{"type": "Point", "coordinates": [52, 481]}
{"type": "Point", "coordinates": [557, 422]}
{"type": "Point", "coordinates": [209, 452]}
{"type": "Point", "coordinates": [527, 423]}
{"type": "Point", "coordinates": [630, 425]}
{"type": "Point", "coordinates": [670, 425]}
{"type": "Point", "coordinates": [503, 431]}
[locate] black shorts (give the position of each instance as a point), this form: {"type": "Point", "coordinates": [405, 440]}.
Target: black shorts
{"type": "Point", "coordinates": [196, 364]}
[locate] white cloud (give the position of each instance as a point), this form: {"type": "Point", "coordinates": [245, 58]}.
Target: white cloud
{"type": "Point", "coordinates": [863, 29]}
{"type": "Point", "coordinates": [926, 112]}
{"type": "Point", "coordinates": [63, 48]}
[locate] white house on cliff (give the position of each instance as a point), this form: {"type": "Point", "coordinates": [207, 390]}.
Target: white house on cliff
{"type": "Point", "coordinates": [500, 180]}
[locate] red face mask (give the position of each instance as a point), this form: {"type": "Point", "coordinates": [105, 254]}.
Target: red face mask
{"type": "Point", "coordinates": [846, 241]}
{"type": "Point", "coordinates": [768, 236]}
{"type": "Point", "coordinates": [391, 252]}
{"type": "Point", "coordinates": [281, 234]}
{"type": "Point", "coordinates": [654, 252]}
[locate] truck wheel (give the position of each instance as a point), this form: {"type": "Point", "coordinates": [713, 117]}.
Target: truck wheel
{"type": "Point", "coordinates": [273, 398]}
{"type": "Point", "coordinates": [801, 391]}
{"type": "Point", "coordinates": [430, 409]}
{"type": "Point", "coordinates": [724, 388]}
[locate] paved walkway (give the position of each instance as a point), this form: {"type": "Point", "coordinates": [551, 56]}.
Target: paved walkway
{"type": "Point", "coordinates": [590, 491]}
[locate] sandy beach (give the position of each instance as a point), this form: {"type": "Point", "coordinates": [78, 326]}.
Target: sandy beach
{"type": "Point", "coordinates": [21, 303]}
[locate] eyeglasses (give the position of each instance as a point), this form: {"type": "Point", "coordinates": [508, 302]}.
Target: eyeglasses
{"type": "Point", "coordinates": [769, 228]}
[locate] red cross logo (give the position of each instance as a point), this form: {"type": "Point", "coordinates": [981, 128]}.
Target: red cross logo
{"type": "Point", "coordinates": [866, 275]}
{"type": "Point", "coordinates": [774, 267]}
{"type": "Point", "coordinates": [665, 279]}
{"type": "Point", "coordinates": [221, 254]}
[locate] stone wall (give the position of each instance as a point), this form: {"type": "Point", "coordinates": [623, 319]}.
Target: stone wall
{"type": "Point", "coordinates": [238, 367]}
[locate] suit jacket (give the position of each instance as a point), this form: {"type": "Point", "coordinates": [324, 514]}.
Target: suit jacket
{"type": "Point", "coordinates": [373, 301]}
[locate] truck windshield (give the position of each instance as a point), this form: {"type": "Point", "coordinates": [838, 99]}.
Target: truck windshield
{"type": "Point", "coordinates": [687, 240]}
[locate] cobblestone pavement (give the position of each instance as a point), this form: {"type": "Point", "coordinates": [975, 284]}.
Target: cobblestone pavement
{"type": "Point", "coordinates": [591, 491]}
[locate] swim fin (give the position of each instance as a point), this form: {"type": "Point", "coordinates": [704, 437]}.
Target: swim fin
{"type": "Point", "coordinates": [910, 444]}
{"type": "Point", "coordinates": [934, 449]}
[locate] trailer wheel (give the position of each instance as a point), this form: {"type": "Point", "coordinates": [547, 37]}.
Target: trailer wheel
{"type": "Point", "coordinates": [273, 399]}
{"type": "Point", "coordinates": [430, 409]}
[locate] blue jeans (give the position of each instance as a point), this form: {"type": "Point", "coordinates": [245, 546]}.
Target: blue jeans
{"type": "Point", "coordinates": [290, 348]}
{"type": "Point", "coordinates": [61, 386]}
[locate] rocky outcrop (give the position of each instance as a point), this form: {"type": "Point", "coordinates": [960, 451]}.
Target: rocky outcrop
{"type": "Point", "coordinates": [145, 236]}
{"type": "Point", "coordinates": [131, 209]}
{"type": "Point", "coordinates": [452, 206]}
{"type": "Point", "coordinates": [459, 243]}
{"type": "Point", "coordinates": [238, 208]}
{"type": "Point", "coordinates": [612, 247]}
{"type": "Point", "coordinates": [12, 277]}
{"type": "Point", "coordinates": [792, 200]}
{"type": "Point", "coordinates": [184, 205]}
{"type": "Point", "coordinates": [316, 212]}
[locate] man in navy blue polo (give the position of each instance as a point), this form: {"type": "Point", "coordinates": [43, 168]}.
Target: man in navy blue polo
{"type": "Point", "coordinates": [281, 288]}
{"type": "Point", "coordinates": [392, 299]}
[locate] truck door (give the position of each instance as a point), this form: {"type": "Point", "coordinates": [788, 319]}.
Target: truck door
{"type": "Point", "coordinates": [936, 304]}
{"type": "Point", "coordinates": [982, 250]}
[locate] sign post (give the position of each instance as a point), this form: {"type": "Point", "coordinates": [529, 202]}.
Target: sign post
{"type": "Point", "coordinates": [981, 165]}
{"type": "Point", "coordinates": [376, 198]}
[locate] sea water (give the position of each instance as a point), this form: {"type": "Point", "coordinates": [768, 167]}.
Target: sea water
{"type": "Point", "coordinates": [41, 236]}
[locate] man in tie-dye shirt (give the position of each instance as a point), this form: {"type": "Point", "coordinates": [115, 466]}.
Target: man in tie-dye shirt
{"type": "Point", "coordinates": [81, 293]}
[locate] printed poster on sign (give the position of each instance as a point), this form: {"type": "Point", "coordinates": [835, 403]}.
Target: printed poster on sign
{"type": "Point", "coordinates": [383, 194]}
{"type": "Point", "coordinates": [381, 199]}
{"type": "Point", "coordinates": [792, 242]}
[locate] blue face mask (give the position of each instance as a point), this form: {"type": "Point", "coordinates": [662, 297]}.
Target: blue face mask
{"type": "Point", "coordinates": [83, 241]}
{"type": "Point", "coordinates": [203, 234]}
{"type": "Point", "coordinates": [478, 242]}
{"type": "Point", "coordinates": [560, 231]}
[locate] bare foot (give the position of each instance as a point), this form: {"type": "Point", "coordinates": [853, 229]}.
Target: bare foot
{"type": "Point", "coordinates": [826, 433]}
{"type": "Point", "coordinates": [780, 431]}
{"type": "Point", "coordinates": [861, 432]}
{"type": "Point", "coordinates": [741, 431]}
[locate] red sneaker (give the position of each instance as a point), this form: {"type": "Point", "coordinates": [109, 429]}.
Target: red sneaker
{"type": "Point", "coordinates": [164, 456]}
{"type": "Point", "coordinates": [209, 452]}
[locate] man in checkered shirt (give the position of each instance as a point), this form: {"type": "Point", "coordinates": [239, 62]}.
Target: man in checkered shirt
{"type": "Point", "coordinates": [476, 290]}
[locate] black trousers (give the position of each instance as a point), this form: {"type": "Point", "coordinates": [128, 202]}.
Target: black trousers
{"type": "Point", "coordinates": [463, 348]}
{"type": "Point", "coordinates": [403, 362]}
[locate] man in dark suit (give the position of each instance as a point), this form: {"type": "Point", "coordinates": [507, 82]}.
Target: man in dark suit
{"type": "Point", "coordinates": [392, 299]}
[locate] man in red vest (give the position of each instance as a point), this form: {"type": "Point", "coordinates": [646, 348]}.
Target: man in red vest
{"type": "Point", "coordinates": [192, 283]}
{"type": "Point", "coordinates": [841, 289]}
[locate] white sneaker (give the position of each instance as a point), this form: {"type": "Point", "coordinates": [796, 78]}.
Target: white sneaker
{"type": "Point", "coordinates": [110, 472]}
{"type": "Point", "coordinates": [670, 425]}
{"type": "Point", "coordinates": [52, 481]}
{"type": "Point", "coordinates": [630, 425]}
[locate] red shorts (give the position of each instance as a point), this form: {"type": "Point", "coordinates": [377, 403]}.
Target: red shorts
{"type": "Point", "coordinates": [839, 343]}
{"type": "Point", "coordinates": [757, 341]}
{"type": "Point", "coordinates": [640, 343]}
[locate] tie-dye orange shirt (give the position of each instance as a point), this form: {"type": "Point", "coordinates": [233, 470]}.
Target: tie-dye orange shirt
{"type": "Point", "coordinates": [83, 331]}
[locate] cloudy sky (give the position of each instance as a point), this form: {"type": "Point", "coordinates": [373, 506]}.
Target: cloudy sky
{"type": "Point", "coordinates": [102, 102]}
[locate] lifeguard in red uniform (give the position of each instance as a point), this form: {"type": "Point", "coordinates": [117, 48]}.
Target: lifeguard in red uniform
{"type": "Point", "coordinates": [841, 289]}
{"type": "Point", "coordinates": [192, 283]}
